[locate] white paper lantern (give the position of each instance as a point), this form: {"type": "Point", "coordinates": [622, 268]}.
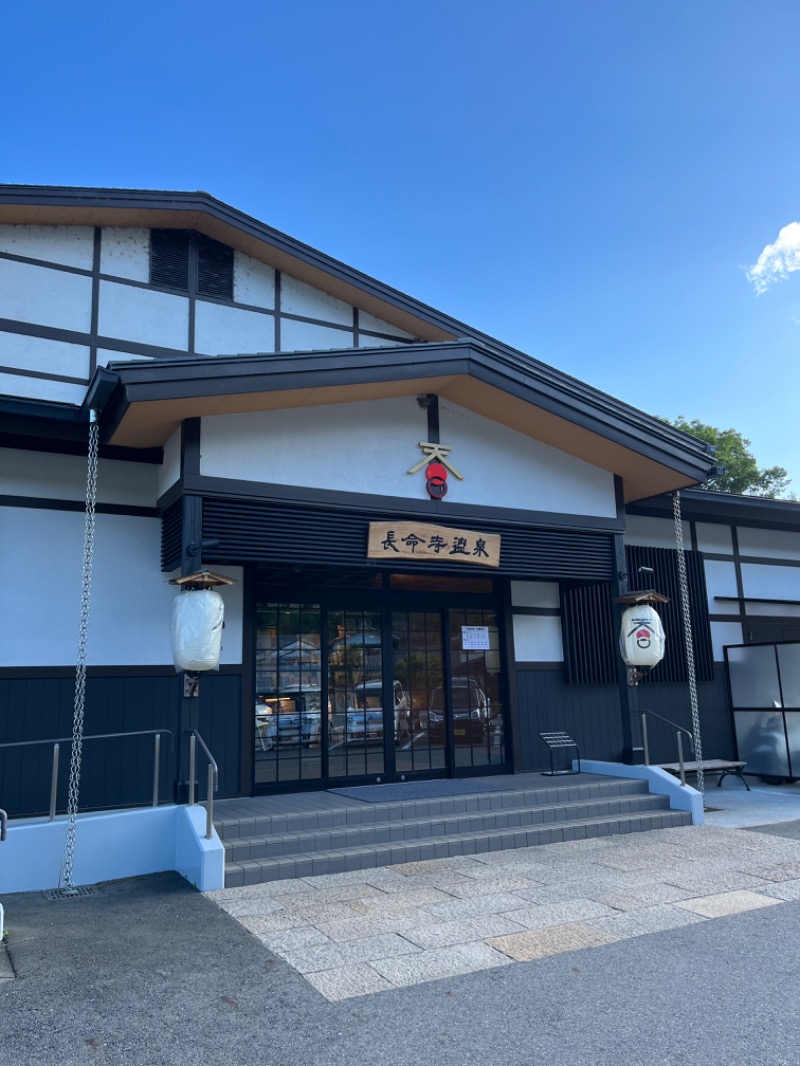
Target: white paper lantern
{"type": "Point", "coordinates": [641, 638]}
{"type": "Point", "coordinates": [197, 619]}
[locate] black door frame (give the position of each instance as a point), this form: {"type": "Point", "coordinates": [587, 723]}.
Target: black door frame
{"type": "Point", "coordinates": [385, 600]}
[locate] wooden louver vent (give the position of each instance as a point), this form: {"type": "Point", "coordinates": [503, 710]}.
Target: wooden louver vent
{"type": "Point", "coordinates": [173, 253]}
{"type": "Point", "coordinates": [214, 268]}
{"type": "Point", "coordinates": [169, 258]}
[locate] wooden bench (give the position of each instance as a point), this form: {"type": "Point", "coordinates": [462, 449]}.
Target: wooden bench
{"type": "Point", "coordinates": [723, 767]}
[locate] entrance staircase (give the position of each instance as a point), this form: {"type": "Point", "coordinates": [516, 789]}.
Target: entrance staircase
{"type": "Point", "coordinates": [272, 838]}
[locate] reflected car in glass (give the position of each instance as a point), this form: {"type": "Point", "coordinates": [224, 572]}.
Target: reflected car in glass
{"type": "Point", "coordinates": [471, 712]}
{"type": "Point", "coordinates": [292, 718]}
{"type": "Point", "coordinates": [365, 716]}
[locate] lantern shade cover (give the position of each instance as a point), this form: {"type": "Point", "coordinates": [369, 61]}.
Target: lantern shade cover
{"type": "Point", "coordinates": [197, 619]}
{"type": "Point", "coordinates": [641, 638]}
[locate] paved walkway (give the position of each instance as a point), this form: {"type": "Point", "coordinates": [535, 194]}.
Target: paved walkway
{"type": "Point", "coordinates": [354, 934]}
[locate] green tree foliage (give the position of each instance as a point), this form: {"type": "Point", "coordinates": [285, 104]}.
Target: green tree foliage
{"type": "Point", "coordinates": [742, 474]}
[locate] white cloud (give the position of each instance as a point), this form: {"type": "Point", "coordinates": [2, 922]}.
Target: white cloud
{"type": "Point", "coordinates": [777, 261]}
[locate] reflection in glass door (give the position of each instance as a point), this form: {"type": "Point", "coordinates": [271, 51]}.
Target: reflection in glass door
{"type": "Point", "coordinates": [371, 694]}
{"type": "Point", "coordinates": [355, 694]}
{"type": "Point", "coordinates": [476, 722]}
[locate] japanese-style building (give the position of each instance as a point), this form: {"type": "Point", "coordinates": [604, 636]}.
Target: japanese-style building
{"type": "Point", "coordinates": [426, 528]}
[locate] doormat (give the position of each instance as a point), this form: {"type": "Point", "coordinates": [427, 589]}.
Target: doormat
{"type": "Point", "coordinates": [413, 790]}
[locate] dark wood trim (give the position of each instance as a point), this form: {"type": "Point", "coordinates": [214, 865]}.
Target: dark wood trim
{"type": "Point", "coordinates": [66, 268]}
{"type": "Point", "coordinates": [45, 504]}
{"type": "Point", "coordinates": [544, 612]}
{"type": "Point", "coordinates": [190, 448]}
{"type": "Point", "coordinates": [249, 600]}
{"type": "Point", "coordinates": [151, 456]}
{"type": "Point", "coordinates": [544, 665]}
{"type": "Point", "coordinates": [277, 310]}
{"type": "Point", "coordinates": [34, 672]}
{"type": "Point", "coordinates": [86, 340]}
{"type": "Point", "coordinates": [96, 249]}
{"type": "Point", "coordinates": [356, 329]}
{"type": "Point", "coordinates": [233, 489]}
{"type": "Point", "coordinates": [514, 740]}
{"type": "Point", "coordinates": [22, 372]}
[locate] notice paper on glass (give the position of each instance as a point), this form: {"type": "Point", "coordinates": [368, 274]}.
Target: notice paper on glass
{"type": "Point", "coordinates": [474, 638]}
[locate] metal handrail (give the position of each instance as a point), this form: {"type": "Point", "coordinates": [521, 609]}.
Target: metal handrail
{"type": "Point", "coordinates": [212, 780]}
{"type": "Point", "coordinates": [680, 730]}
{"type": "Point", "coordinates": [3, 829]}
{"type": "Point", "coordinates": [58, 741]}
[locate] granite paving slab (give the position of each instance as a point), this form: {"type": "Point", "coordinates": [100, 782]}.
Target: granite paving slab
{"type": "Point", "coordinates": [725, 903]}
{"type": "Point", "coordinates": [524, 947]}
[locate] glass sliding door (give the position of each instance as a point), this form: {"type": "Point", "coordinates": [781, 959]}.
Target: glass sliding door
{"type": "Point", "coordinates": [358, 723]}
{"type": "Point", "coordinates": [289, 717]}
{"type": "Point", "coordinates": [475, 715]}
{"type": "Point", "coordinates": [418, 654]}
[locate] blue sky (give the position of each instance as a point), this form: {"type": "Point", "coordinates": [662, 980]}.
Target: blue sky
{"type": "Point", "coordinates": [592, 181]}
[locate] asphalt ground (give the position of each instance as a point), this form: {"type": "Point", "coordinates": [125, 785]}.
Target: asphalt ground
{"type": "Point", "coordinates": [149, 972]}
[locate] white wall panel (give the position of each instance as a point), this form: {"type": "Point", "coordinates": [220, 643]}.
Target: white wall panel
{"type": "Point", "coordinates": [221, 330]}
{"type": "Point", "coordinates": [535, 594]}
{"type": "Point", "coordinates": [131, 601]}
{"type": "Point", "coordinates": [366, 321]}
{"type": "Point", "coordinates": [304, 337]}
{"type": "Point", "coordinates": [503, 468]}
{"type": "Point", "coordinates": [68, 245]}
{"type": "Point", "coordinates": [144, 315]}
{"type": "Point", "coordinates": [361, 447]}
{"type": "Point", "coordinates": [41, 389]}
{"type": "Point", "coordinates": [170, 469]}
{"type": "Point", "coordinates": [771, 543]}
{"type": "Point", "coordinates": [654, 532]}
{"type": "Point", "coordinates": [537, 639]}
{"type": "Point", "coordinates": [723, 633]}
{"type": "Point", "coordinates": [721, 581]}
{"type": "Point", "coordinates": [714, 538]}
{"type": "Point", "coordinates": [253, 282]}
{"type": "Point", "coordinates": [125, 253]}
{"type": "Point", "coordinates": [63, 477]}
{"type": "Point", "coordinates": [44, 356]}
{"type": "Point", "coordinates": [369, 447]}
{"type": "Point", "coordinates": [297, 298]}
{"type": "Point", "coordinates": [45, 297]}
{"type": "Point", "coordinates": [767, 582]}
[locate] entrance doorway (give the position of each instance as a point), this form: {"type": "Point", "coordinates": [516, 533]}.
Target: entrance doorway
{"type": "Point", "coordinates": [368, 693]}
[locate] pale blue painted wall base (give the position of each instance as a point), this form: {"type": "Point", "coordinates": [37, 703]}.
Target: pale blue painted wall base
{"type": "Point", "coordinates": [660, 782]}
{"type": "Point", "coordinates": [112, 845]}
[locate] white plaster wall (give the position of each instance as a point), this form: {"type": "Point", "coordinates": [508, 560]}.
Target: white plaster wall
{"type": "Point", "coordinates": [771, 543]}
{"type": "Point", "coordinates": [723, 633]}
{"type": "Point", "coordinates": [144, 315]}
{"type": "Point", "coordinates": [369, 448]}
{"type": "Point", "coordinates": [503, 468]}
{"type": "Point", "coordinates": [110, 355]}
{"type": "Point", "coordinates": [721, 581]}
{"type": "Point", "coordinates": [69, 245]}
{"type": "Point", "coordinates": [535, 594]}
{"type": "Point", "coordinates": [305, 337]}
{"type": "Point", "coordinates": [131, 602]}
{"type": "Point", "coordinates": [253, 282]}
{"type": "Point", "coordinates": [359, 447]}
{"type": "Point", "coordinates": [760, 580]}
{"type": "Point", "coordinates": [537, 639]}
{"type": "Point", "coordinates": [297, 298]}
{"type": "Point", "coordinates": [221, 330]}
{"type": "Point", "coordinates": [44, 356]}
{"type": "Point", "coordinates": [714, 538]}
{"type": "Point", "coordinates": [170, 469]}
{"type": "Point", "coordinates": [125, 253]}
{"type": "Point", "coordinates": [45, 297]}
{"type": "Point", "coordinates": [365, 341]}
{"type": "Point", "coordinates": [41, 389]}
{"type": "Point", "coordinates": [654, 532]}
{"type": "Point", "coordinates": [367, 321]}
{"type": "Point", "coordinates": [63, 477]}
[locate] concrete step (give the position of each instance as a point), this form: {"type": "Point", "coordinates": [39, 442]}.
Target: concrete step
{"type": "Point", "coordinates": [407, 830]}
{"type": "Point", "coordinates": [310, 864]}
{"type": "Point", "coordinates": [361, 813]}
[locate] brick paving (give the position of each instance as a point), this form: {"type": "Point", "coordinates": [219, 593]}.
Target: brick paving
{"type": "Point", "coordinates": [365, 932]}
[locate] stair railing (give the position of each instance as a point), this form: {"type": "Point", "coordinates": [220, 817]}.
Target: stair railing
{"type": "Point", "coordinates": [212, 779]}
{"type": "Point", "coordinates": [679, 735]}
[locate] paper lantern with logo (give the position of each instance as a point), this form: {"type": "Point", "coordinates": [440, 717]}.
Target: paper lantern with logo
{"type": "Point", "coordinates": [197, 620]}
{"type": "Point", "coordinates": [641, 638]}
